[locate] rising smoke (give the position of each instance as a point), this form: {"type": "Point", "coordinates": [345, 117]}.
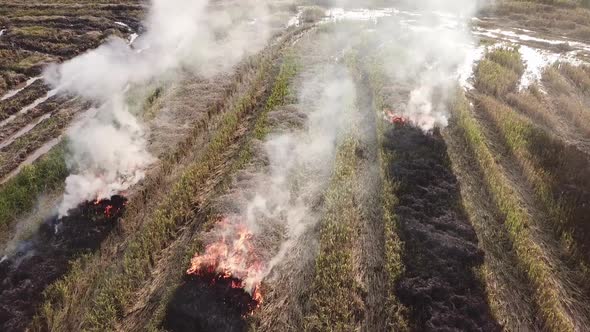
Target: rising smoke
{"type": "Point", "coordinates": [422, 51]}
{"type": "Point", "coordinates": [298, 168]}
{"type": "Point", "coordinates": [108, 153]}
{"type": "Point", "coordinates": [425, 48]}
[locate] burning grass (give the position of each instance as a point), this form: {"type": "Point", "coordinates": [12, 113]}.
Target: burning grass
{"type": "Point", "coordinates": [221, 286]}
{"type": "Point", "coordinates": [231, 259]}
{"type": "Point", "coordinates": [234, 300]}
{"type": "Point", "coordinates": [115, 288]}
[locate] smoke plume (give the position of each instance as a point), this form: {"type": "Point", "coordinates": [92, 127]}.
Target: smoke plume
{"type": "Point", "coordinates": [425, 47]}
{"type": "Point", "coordinates": [299, 164]}
{"type": "Point", "coordinates": [108, 152]}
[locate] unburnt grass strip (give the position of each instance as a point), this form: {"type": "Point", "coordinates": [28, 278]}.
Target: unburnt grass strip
{"type": "Point", "coordinates": [568, 101]}
{"type": "Point", "coordinates": [510, 292]}
{"type": "Point", "coordinates": [378, 315]}
{"type": "Point", "coordinates": [396, 313]}
{"type": "Point", "coordinates": [558, 172]}
{"type": "Point", "coordinates": [335, 304]}
{"type": "Point", "coordinates": [555, 297]}
{"type": "Point", "coordinates": [537, 171]}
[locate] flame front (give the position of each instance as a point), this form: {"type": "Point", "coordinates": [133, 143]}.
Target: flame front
{"type": "Point", "coordinates": [394, 118]}
{"type": "Point", "coordinates": [231, 257]}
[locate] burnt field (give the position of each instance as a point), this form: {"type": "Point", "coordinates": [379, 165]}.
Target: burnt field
{"type": "Point", "coordinates": [209, 303]}
{"type": "Point", "coordinates": [44, 258]}
{"type": "Point", "coordinates": [441, 247]}
{"type": "Point", "coordinates": [284, 165]}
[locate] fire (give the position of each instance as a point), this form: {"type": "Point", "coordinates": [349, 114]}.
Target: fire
{"type": "Point", "coordinates": [109, 209]}
{"type": "Point", "coordinates": [231, 258]}
{"type": "Point", "coordinates": [393, 118]}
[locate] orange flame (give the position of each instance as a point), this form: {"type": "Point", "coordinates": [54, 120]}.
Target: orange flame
{"type": "Point", "coordinates": [232, 257]}
{"type": "Point", "coordinates": [110, 209]}
{"type": "Point", "coordinates": [393, 118]}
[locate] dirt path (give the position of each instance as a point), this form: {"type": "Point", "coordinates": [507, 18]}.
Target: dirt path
{"type": "Point", "coordinates": [441, 247]}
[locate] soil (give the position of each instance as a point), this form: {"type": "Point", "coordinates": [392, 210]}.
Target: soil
{"type": "Point", "coordinates": [44, 258]}
{"type": "Point", "coordinates": [441, 247]}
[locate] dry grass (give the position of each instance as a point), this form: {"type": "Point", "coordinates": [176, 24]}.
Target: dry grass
{"type": "Point", "coordinates": [499, 72]}
{"type": "Point", "coordinates": [549, 291]}
{"type": "Point", "coordinates": [560, 17]}
{"type": "Point", "coordinates": [557, 172]}
{"type": "Point", "coordinates": [397, 314]}
{"type": "Point", "coordinates": [312, 14]}
{"type": "Point", "coordinates": [568, 96]}
{"type": "Point", "coordinates": [509, 291]}
{"type": "Point", "coordinates": [335, 301]}
{"type": "Point", "coordinates": [578, 75]}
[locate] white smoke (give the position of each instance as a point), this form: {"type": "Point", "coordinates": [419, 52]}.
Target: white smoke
{"type": "Point", "coordinates": [427, 50]}
{"type": "Point", "coordinates": [109, 152]}
{"type": "Point", "coordinates": [299, 167]}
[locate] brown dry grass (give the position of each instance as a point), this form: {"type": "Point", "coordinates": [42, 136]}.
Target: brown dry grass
{"type": "Point", "coordinates": [559, 17]}
{"type": "Point", "coordinates": [510, 292]}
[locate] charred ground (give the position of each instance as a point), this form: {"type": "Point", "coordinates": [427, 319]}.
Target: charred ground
{"type": "Point", "coordinates": [441, 248]}
{"type": "Point", "coordinates": [44, 258]}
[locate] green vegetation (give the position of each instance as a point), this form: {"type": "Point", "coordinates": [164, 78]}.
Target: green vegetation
{"type": "Point", "coordinates": [499, 72]}
{"type": "Point", "coordinates": [279, 95]}
{"type": "Point", "coordinates": [335, 303]}
{"type": "Point", "coordinates": [508, 57]}
{"type": "Point", "coordinates": [20, 193]}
